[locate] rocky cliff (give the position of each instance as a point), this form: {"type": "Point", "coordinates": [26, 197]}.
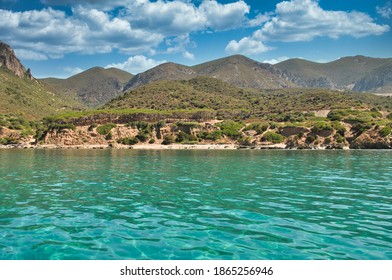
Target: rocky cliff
{"type": "Point", "coordinates": [9, 61]}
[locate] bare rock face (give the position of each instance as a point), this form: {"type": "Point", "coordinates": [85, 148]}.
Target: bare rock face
{"type": "Point", "coordinates": [9, 60]}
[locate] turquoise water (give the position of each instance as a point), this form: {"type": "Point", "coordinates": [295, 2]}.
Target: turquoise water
{"type": "Point", "coordinates": [127, 204]}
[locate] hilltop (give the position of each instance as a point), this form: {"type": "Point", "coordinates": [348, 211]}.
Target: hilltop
{"type": "Point", "coordinates": [22, 94]}
{"type": "Point", "coordinates": [356, 73]}
{"type": "Point", "coordinates": [237, 70]}
{"type": "Point", "coordinates": [9, 61]}
{"type": "Point", "coordinates": [93, 87]}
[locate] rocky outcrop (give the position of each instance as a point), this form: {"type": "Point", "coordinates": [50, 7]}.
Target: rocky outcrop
{"type": "Point", "coordinates": [9, 61]}
{"type": "Point", "coordinates": [371, 140]}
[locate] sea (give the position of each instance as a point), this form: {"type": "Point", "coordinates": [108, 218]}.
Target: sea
{"type": "Point", "coordinates": [195, 205]}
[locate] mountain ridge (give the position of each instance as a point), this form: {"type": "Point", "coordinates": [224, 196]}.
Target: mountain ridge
{"type": "Point", "coordinates": [341, 74]}
{"type": "Point", "coordinates": [93, 87]}
{"type": "Point", "coordinates": [237, 70]}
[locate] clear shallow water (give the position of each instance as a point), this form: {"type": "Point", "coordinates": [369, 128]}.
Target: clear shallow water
{"type": "Point", "coordinates": [115, 204]}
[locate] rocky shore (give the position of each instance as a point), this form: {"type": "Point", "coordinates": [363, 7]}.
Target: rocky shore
{"type": "Point", "coordinates": [201, 136]}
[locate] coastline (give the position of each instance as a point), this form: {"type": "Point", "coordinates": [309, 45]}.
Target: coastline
{"type": "Point", "coordinates": [162, 147]}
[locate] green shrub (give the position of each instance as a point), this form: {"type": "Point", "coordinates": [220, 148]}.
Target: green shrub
{"type": "Point", "coordinates": [141, 125]}
{"type": "Point", "coordinates": [142, 136]}
{"type": "Point", "coordinates": [105, 129]}
{"type": "Point", "coordinates": [385, 131]}
{"type": "Point", "coordinates": [129, 141]}
{"type": "Point", "coordinates": [339, 128]}
{"type": "Point", "coordinates": [8, 141]}
{"type": "Point", "coordinates": [231, 128]}
{"type": "Point", "coordinates": [360, 128]}
{"type": "Point", "coordinates": [213, 135]}
{"type": "Point", "coordinates": [339, 138]}
{"type": "Point", "coordinates": [319, 126]}
{"type": "Point", "coordinates": [152, 141]}
{"type": "Point", "coordinates": [274, 137]}
{"type": "Point", "coordinates": [61, 126]}
{"type": "Point", "coordinates": [168, 139]}
{"type": "Point", "coordinates": [258, 127]}
{"type": "Point", "coordinates": [184, 137]}
{"type": "Point", "coordinates": [189, 124]}
{"type": "Point", "coordinates": [310, 139]}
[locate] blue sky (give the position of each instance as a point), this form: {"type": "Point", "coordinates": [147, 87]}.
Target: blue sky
{"type": "Point", "coordinates": [59, 38]}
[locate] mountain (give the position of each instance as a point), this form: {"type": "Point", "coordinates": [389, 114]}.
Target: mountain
{"type": "Point", "coordinates": [196, 93]}
{"type": "Point", "coordinates": [93, 87]}
{"type": "Point", "coordinates": [357, 73]}
{"type": "Point", "coordinates": [21, 94]}
{"type": "Point", "coordinates": [237, 70]}
{"type": "Point", "coordinates": [31, 98]}
{"type": "Point", "coordinates": [8, 60]}
{"type": "Point", "coordinates": [243, 72]}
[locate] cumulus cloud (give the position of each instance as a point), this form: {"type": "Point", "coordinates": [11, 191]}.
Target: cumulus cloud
{"type": "Point", "coordinates": [304, 20]}
{"type": "Point", "coordinates": [385, 11]}
{"type": "Point", "coordinates": [136, 64]}
{"type": "Point", "coordinates": [178, 17]}
{"type": "Point", "coordinates": [99, 4]}
{"type": "Point", "coordinates": [223, 16]}
{"type": "Point", "coordinates": [247, 46]}
{"type": "Point", "coordinates": [131, 27]}
{"type": "Point", "coordinates": [259, 20]}
{"type": "Point", "coordinates": [87, 31]}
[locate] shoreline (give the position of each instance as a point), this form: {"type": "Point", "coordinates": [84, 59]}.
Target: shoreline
{"type": "Point", "coordinates": [163, 147]}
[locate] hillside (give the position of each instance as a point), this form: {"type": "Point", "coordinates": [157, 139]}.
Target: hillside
{"type": "Point", "coordinates": [243, 72]}
{"type": "Point", "coordinates": [197, 93]}
{"type": "Point", "coordinates": [357, 73]}
{"type": "Point", "coordinates": [229, 101]}
{"type": "Point", "coordinates": [237, 70]}
{"type": "Point", "coordinates": [31, 98]}
{"type": "Point", "coordinates": [93, 87]}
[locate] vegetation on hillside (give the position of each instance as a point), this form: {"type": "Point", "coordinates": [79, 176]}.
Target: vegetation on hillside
{"type": "Point", "coordinates": [30, 98]}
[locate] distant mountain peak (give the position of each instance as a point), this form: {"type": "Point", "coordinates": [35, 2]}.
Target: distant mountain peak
{"type": "Point", "coordinates": [9, 61]}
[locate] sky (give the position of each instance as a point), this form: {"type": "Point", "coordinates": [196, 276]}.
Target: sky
{"type": "Point", "coordinates": [60, 38]}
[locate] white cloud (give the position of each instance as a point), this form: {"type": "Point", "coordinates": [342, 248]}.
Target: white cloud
{"type": "Point", "coordinates": [188, 55]}
{"type": "Point", "coordinates": [276, 60]}
{"type": "Point", "coordinates": [180, 17]}
{"type": "Point", "coordinates": [179, 45]}
{"type": "Point", "coordinates": [385, 11]}
{"type": "Point", "coordinates": [101, 4]}
{"type": "Point", "coordinates": [133, 27]}
{"type": "Point", "coordinates": [73, 70]}
{"type": "Point", "coordinates": [30, 55]}
{"type": "Point", "coordinates": [54, 33]}
{"type": "Point", "coordinates": [259, 20]}
{"type": "Point", "coordinates": [247, 46]}
{"type": "Point", "coordinates": [304, 20]}
{"type": "Point", "coordinates": [136, 64]}
{"type": "Point", "coordinates": [223, 16]}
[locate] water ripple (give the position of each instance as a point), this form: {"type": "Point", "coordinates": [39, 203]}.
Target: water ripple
{"type": "Point", "coordinates": [195, 205]}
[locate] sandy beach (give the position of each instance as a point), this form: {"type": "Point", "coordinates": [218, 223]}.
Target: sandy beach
{"type": "Point", "coordinates": [149, 147]}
